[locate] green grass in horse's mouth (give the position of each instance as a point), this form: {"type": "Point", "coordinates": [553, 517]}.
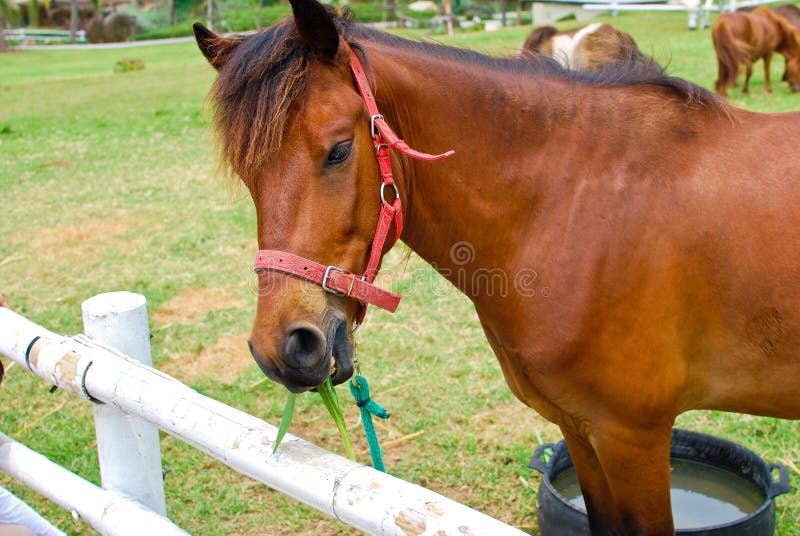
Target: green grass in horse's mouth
{"type": "Point", "coordinates": [331, 400]}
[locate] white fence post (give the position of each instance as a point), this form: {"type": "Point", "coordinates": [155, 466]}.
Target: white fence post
{"type": "Point", "coordinates": [128, 447]}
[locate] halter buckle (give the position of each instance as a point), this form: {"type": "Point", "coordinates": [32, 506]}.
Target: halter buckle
{"type": "Point", "coordinates": [327, 276]}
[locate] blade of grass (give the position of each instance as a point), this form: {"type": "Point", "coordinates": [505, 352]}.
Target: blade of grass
{"type": "Point", "coordinates": [331, 400]}
{"type": "Point", "coordinates": [286, 420]}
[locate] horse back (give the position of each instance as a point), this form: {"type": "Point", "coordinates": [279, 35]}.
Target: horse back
{"type": "Point", "coordinates": [790, 12]}
{"type": "Point", "coordinates": [609, 46]}
{"type": "Point", "coordinates": [592, 48]}
{"type": "Point", "coordinates": [753, 33]}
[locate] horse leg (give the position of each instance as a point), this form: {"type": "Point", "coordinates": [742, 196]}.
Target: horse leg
{"type": "Point", "coordinates": [721, 85]}
{"type": "Point", "coordinates": [748, 72]}
{"type": "Point", "coordinates": [635, 463]}
{"type": "Point", "coordinates": [594, 487]}
{"type": "Point", "coordinates": [767, 84]}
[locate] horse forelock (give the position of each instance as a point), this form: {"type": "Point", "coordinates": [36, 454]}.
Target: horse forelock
{"type": "Point", "coordinates": [253, 95]}
{"type": "Point", "coordinates": [261, 85]}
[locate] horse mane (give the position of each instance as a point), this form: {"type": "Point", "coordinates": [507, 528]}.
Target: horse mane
{"type": "Point", "coordinates": [637, 70]}
{"type": "Point", "coordinates": [263, 81]}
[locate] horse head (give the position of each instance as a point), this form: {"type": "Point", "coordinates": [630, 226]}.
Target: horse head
{"type": "Point", "coordinates": [792, 74]}
{"type": "Point", "coordinates": [293, 127]}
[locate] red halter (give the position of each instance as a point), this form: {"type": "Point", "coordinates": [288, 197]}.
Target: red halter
{"type": "Point", "coordinates": [336, 280]}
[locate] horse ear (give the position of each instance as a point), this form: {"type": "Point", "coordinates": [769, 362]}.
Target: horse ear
{"type": "Point", "coordinates": [214, 47]}
{"type": "Point", "coordinates": [316, 27]}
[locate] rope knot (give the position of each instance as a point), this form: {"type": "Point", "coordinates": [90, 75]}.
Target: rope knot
{"type": "Point", "coordinates": [360, 391]}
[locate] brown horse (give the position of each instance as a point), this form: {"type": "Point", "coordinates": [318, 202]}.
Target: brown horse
{"type": "Point", "coordinates": [594, 47]}
{"type": "Point", "coordinates": [745, 37]}
{"type": "Point", "coordinates": [790, 12]}
{"type": "Point", "coordinates": [669, 246]}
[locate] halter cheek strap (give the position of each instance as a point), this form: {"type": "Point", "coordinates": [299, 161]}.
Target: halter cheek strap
{"type": "Point", "coordinates": [336, 280]}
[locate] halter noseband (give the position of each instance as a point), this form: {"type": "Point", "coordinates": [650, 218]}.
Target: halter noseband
{"type": "Point", "coordinates": [337, 280]}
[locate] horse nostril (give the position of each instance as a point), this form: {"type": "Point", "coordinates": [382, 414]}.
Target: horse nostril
{"type": "Point", "coordinates": [304, 347]}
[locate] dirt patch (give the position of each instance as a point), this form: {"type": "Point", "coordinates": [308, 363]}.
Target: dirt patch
{"type": "Point", "coordinates": [56, 164]}
{"type": "Point", "coordinates": [223, 361]}
{"type": "Point", "coordinates": [87, 233]}
{"type": "Point", "coordinates": [192, 304]}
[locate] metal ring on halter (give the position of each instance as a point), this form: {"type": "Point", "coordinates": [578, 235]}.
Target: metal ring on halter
{"type": "Point", "coordinates": [383, 190]}
{"type": "Point", "coordinates": [372, 128]}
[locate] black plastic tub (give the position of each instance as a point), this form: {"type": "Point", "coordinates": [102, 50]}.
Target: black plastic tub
{"type": "Point", "coordinates": [559, 517]}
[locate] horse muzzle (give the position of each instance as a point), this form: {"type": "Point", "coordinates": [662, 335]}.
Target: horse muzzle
{"type": "Point", "coordinates": [310, 354]}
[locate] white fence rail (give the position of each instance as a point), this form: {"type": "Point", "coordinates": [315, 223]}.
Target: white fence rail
{"type": "Point", "coordinates": [107, 511]}
{"type": "Point", "coordinates": [357, 495]}
{"type": "Point", "coordinates": [43, 36]}
{"type": "Point", "coordinates": [698, 11]}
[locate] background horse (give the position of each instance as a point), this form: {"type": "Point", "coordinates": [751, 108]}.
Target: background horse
{"type": "Point", "coordinates": [669, 246]}
{"type": "Point", "coordinates": [745, 37]}
{"type": "Point", "coordinates": [790, 12]}
{"type": "Point", "coordinates": [590, 48]}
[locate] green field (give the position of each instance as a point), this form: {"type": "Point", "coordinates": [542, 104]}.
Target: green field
{"type": "Point", "coordinates": [108, 182]}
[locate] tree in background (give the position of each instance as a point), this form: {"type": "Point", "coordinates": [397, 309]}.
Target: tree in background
{"type": "Point", "coordinates": [97, 20]}
{"type": "Point", "coordinates": [448, 13]}
{"type": "Point", "coordinates": [8, 11]}
{"type": "Point", "coordinates": [73, 19]}
{"type": "Point", "coordinates": [210, 14]}
{"type": "Point", "coordinates": [33, 13]}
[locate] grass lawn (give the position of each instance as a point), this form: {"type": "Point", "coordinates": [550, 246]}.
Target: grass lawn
{"type": "Point", "coordinates": [108, 182]}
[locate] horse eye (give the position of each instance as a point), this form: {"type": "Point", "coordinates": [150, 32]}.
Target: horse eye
{"type": "Point", "coordinates": [339, 153]}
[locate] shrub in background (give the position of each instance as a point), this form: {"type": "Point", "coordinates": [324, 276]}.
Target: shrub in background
{"type": "Point", "coordinates": [114, 28]}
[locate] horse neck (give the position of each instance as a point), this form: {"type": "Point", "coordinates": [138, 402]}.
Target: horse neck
{"type": "Point", "coordinates": [471, 199]}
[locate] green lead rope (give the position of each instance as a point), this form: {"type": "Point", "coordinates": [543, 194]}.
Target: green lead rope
{"type": "Point", "coordinates": [360, 389]}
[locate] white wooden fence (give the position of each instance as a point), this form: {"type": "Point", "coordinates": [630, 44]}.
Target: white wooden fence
{"type": "Point", "coordinates": [357, 495]}
{"type": "Point", "coordinates": [698, 11]}
{"type": "Point", "coordinates": [43, 35]}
